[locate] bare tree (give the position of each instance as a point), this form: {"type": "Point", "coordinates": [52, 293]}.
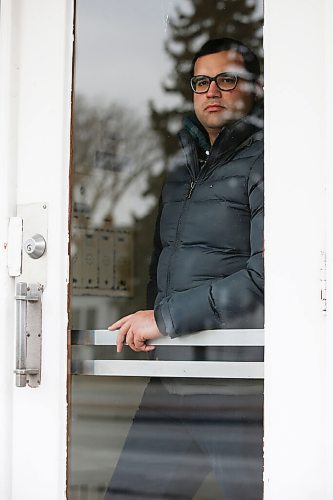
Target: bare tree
{"type": "Point", "coordinates": [116, 149]}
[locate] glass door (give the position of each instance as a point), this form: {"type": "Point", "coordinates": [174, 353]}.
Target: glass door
{"type": "Point", "coordinates": [184, 421]}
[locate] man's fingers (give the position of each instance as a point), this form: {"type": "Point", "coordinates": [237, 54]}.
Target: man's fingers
{"type": "Point", "coordinates": [130, 340]}
{"type": "Point", "coordinates": [141, 348]}
{"type": "Point", "coordinates": [147, 347]}
{"type": "Point", "coordinates": [118, 324]}
{"type": "Point", "coordinates": [136, 344]}
{"type": "Point", "coordinates": [140, 344]}
{"type": "Point", "coordinates": [135, 329]}
{"type": "Point", "coordinates": [121, 337]}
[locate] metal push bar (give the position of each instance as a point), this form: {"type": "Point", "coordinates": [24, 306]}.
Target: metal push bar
{"type": "Point", "coordinates": [149, 368]}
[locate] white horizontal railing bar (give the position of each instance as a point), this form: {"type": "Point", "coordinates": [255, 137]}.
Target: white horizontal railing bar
{"type": "Point", "coordinates": [202, 338]}
{"type": "Point", "coordinates": [196, 369]}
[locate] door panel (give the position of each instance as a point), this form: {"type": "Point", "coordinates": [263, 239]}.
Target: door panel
{"type": "Point", "coordinates": [124, 136]}
{"type": "Point", "coordinates": [36, 80]}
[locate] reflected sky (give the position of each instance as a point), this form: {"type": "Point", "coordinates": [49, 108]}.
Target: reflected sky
{"type": "Point", "coordinates": [119, 50]}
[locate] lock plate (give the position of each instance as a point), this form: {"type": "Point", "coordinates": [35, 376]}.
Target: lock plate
{"type": "Point", "coordinates": [34, 216]}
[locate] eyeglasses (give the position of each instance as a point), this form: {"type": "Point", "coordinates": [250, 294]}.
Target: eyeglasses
{"type": "Point", "coordinates": [225, 81]}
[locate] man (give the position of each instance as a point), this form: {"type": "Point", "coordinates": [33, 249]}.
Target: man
{"type": "Point", "coordinates": [206, 273]}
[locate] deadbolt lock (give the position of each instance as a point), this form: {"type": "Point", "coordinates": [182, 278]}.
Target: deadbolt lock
{"type": "Point", "coordinates": [35, 246]}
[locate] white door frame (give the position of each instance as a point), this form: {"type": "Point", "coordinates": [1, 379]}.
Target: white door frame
{"type": "Point", "coordinates": [35, 91]}
{"type": "Point", "coordinates": [299, 191]}
{"type": "Point", "coordinates": [36, 79]}
{"type": "Point", "coordinates": [328, 402]}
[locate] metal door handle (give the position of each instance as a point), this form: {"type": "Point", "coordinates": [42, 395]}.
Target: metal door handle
{"type": "Point", "coordinates": [28, 334]}
{"type": "Point", "coordinates": [159, 368]}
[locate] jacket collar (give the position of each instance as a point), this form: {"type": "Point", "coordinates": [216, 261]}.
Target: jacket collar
{"type": "Point", "coordinates": [231, 136]}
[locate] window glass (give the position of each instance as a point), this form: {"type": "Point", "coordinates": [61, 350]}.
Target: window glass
{"type": "Point", "coordinates": [196, 437]}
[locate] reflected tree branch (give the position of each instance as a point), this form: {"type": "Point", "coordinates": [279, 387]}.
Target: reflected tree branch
{"type": "Point", "coordinates": [130, 147]}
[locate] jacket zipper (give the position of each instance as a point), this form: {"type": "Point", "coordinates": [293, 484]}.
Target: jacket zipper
{"type": "Point", "coordinates": [189, 194]}
{"type": "Point", "coordinates": [192, 186]}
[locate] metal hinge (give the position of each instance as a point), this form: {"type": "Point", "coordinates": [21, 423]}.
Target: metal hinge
{"type": "Point", "coordinates": [28, 334]}
{"type": "Point", "coordinates": [323, 282]}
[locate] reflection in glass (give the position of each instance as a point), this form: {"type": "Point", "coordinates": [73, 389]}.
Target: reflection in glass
{"type": "Point", "coordinates": [131, 93]}
{"type": "Point", "coordinates": [102, 412]}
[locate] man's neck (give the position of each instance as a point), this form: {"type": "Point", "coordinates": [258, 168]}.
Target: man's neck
{"type": "Point", "coordinates": [213, 133]}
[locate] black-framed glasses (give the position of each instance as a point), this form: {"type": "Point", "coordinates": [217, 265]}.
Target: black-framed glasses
{"type": "Point", "coordinates": [225, 81]}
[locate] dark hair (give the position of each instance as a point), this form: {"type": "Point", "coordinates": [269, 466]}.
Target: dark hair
{"type": "Point", "coordinates": [251, 61]}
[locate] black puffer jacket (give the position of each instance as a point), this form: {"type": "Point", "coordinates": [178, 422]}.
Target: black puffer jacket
{"type": "Point", "coordinates": [207, 266]}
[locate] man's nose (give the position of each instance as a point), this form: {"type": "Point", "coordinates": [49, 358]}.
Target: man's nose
{"type": "Point", "coordinates": [213, 90]}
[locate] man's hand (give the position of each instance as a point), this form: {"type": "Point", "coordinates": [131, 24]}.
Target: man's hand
{"type": "Point", "coordinates": [135, 330]}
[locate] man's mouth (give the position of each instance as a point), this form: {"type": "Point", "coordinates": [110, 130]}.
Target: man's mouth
{"type": "Point", "coordinates": [214, 107]}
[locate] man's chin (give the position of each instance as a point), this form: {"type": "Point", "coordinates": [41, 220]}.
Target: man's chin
{"type": "Point", "coordinates": [227, 118]}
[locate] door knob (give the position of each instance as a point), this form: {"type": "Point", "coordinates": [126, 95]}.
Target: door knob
{"type": "Point", "coordinates": [35, 247]}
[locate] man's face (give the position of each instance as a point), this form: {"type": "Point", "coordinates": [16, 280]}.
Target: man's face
{"type": "Point", "coordinates": [218, 107]}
